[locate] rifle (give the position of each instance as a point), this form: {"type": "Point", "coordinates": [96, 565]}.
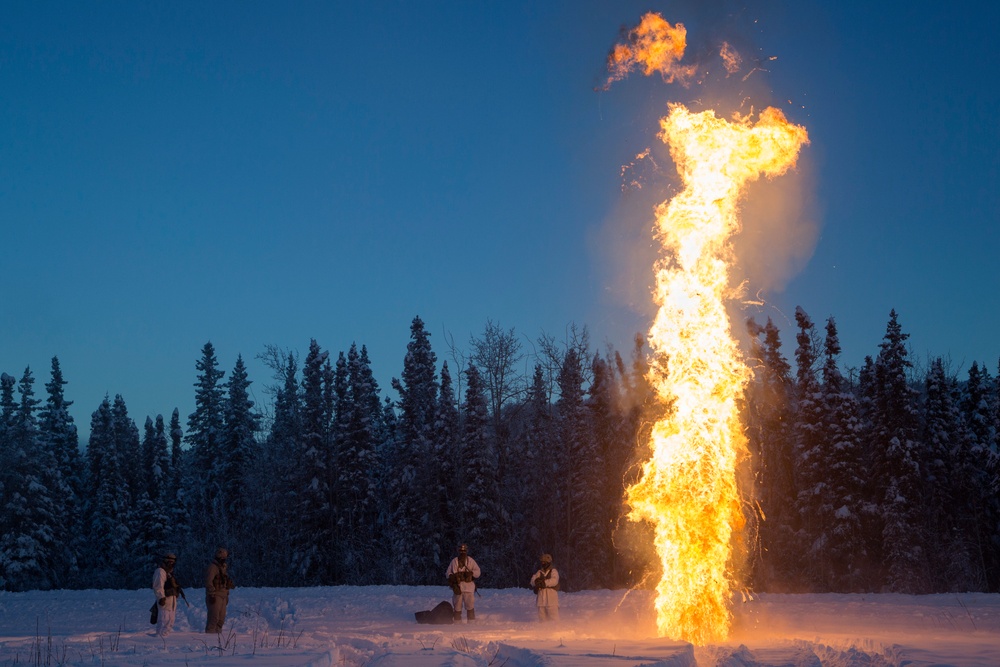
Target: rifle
{"type": "Point", "coordinates": [179, 592]}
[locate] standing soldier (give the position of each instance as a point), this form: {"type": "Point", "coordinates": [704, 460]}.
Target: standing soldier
{"type": "Point", "coordinates": [461, 573]}
{"type": "Point", "coordinates": [165, 589]}
{"type": "Point", "coordinates": [545, 584]}
{"type": "Point", "coordinates": [218, 583]}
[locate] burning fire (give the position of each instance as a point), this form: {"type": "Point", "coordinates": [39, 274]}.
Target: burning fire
{"type": "Point", "coordinates": [688, 488]}
{"type": "Point", "coordinates": [657, 46]}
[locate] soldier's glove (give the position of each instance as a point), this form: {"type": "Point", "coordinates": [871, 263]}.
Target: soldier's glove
{"type": "Point", "coordinates": [540, 582]}
{"type": "Point", "coordinates": [162, 601]}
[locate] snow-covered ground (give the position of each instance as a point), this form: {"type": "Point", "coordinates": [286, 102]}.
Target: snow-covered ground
{"type": "Point", "coordinates": [354, 626]}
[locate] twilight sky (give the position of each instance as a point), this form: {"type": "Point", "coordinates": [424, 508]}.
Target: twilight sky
{"type": "Point", "coordinates": [265, 173]}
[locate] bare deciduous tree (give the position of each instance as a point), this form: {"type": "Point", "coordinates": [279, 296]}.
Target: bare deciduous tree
{"type": "Point", "coordinates": [497, 355]}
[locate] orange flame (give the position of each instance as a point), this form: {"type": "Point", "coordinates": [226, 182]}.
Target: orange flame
{"type": "Point", "coordinates": [688, 489]}
{"type": "Point", "coordinates": [657, 46]}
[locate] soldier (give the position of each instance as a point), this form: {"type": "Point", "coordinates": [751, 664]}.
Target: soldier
{"type": "Point", "coordinates": [218, 583]}
{"type": "Point", "coordinates": [545, 584]}
{"type": "Point", "coordinates": [461, 573]}
{"type": "Point", "coordinates": [165, 589]}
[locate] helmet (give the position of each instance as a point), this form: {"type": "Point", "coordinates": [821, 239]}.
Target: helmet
{"type": "Point", "coordinates": [463, 548]}
{"type": "Point", "coordinates": [222, 553]}
{"type": "Point", "coordinates": [169, 557]}
{"type": "Point", "coordinates": [546, 558]}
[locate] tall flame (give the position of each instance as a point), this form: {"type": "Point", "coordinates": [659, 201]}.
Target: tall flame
{"type": "Point", "coordinates": [688, 488]}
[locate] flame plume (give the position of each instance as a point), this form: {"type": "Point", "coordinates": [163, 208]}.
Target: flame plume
{"type": "Point", "coordinates": [688, 488]}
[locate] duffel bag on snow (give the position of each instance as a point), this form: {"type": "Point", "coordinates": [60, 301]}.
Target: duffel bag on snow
{"type": "Point", "coordinates": [443, 614]}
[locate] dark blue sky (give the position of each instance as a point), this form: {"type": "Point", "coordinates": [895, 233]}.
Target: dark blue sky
{"type": "Point", "coordinates": [265, 173]}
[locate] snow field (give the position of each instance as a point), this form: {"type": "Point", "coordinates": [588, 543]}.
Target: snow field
{"type": "Point", "coordinates": [374, 626]}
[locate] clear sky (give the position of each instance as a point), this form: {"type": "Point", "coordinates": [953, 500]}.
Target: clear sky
{"type": "Point", "coordinates": [258, 173]}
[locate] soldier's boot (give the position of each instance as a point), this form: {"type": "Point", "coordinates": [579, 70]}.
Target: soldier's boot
{"type": "Point", "coordinates": [470, 615]}
{"type": "Point", "coordinates": [458, 616]}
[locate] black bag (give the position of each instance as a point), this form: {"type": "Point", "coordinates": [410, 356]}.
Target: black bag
{"type": "Point", "coordinates": [153, 613]}
{"type": "Point", "coordinates": [443, 614]}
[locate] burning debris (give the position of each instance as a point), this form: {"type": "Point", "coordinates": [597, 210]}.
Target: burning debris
{"type": "Point", "coordinates": [657, 46]}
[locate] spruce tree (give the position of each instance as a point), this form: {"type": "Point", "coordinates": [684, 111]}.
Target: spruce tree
{"type": "Point", "coordinates": [770, 440]}
{"type": "Point", "coordinates": [128, 450]}
{"type": "Point", "coordinates": [976, 497]}
{"type": "Point", "coordinates": [127, 444]}
{"type": "Point", "coordinates": [536, 466]}
{"type": "Point", "coordinates": [448, 449]}
{"type": "Point", "coordinates": [107, 510]}
{"type": "Point", "coordinates": [176, 465]}
{"type": "Point", "coordinates": [578, 481]}
{"type": "Point", "coordinates": [991, 512]}
{"type": "Point", "coordinates": [59, 431]}
{"type": "Point", "coordinates": [846, 557]}
{"type": "Point", "coordinates": [945, 440]}
{"type": "Point", "coordinates": [359, 413]}
{"type": "Point", "coordinates": [896, 474]}
{"type": "Point", "coordinates": [417, 555]}
{"type": "Point", "coordinates": [151, 507]}
{"type": "Point", "coordinates": [179, 527]}
{"type": "Point", "coordinates": [29, 519]}
{"type": "Point", "coordinates": [313, 538]}
{"type": "Point", "coordinates": [59, 434]}
{"type": "Point", "coordinates": [8, 406]}
{"type": "Point", "coordinates": [613, 448]}
{"type": "Point", "coordinates": [240, 426]}
{"type": "Point", "coordinates": [8, 413]}
{"type": "Point", "coordinates": [811, 459]}
{"type": "Point", "coordinates": [483, 518]}
{"type": "Point", "coordinates": [276, 482]}
{"type": "Point", "coordinates": [205, 435]}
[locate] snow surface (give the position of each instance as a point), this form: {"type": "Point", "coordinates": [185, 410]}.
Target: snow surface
{"type": "Point", "coordinates": [375, 626]}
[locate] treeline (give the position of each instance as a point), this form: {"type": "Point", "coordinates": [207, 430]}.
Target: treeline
{"type": "Point", "coordinates": [879, 482]}
{"type": "Point", "coordinates": [866, 483]}
{"type": "Point", "coordinates": [331, 483]}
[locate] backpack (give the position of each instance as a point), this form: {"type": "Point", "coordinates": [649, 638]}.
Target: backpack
{"type": "Point", "coordinates": [443, 614]}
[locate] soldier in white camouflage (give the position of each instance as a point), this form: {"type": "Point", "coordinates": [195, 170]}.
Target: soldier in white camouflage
{"type": "Point", "coordinates": [165, 589]}
{"type": "Point", "coordinates": [461, 572]}
{"type": "Point", "coordinates": [545, 584]}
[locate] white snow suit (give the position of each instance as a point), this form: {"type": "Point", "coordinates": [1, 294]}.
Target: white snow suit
{"type": "Point", "coordinates": [467, 570]}
{"type": "Point", "coordinates": [547, 595]}
{"type": "Point", "coordinates": [167, 611]}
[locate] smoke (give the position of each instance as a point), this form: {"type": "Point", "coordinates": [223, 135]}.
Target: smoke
{"type": "Point", "coordinates": [779, 231]}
